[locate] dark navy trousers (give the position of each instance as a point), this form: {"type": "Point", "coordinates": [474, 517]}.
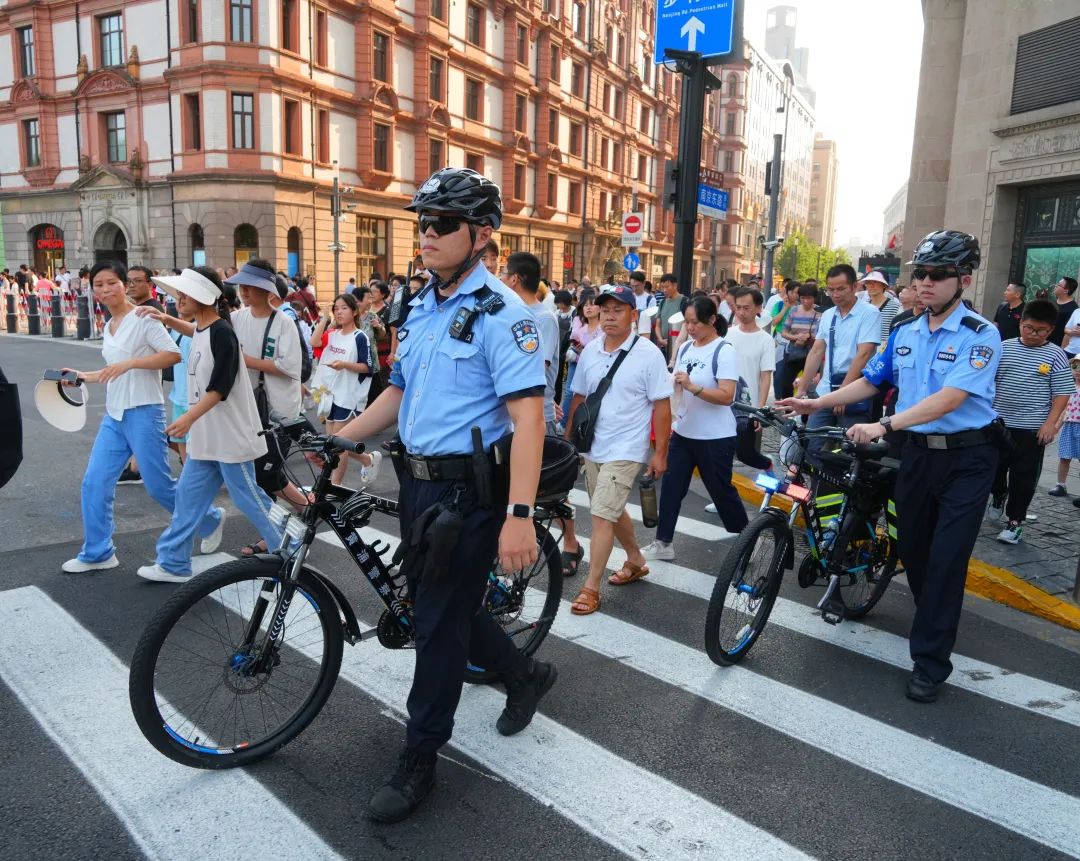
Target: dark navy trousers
{"type": "Point", "coordinates": [713, 459]}
{"type": "Point", "coordinates": [450, 626]}
{"type": "Point", "coordinates": [940, 502]}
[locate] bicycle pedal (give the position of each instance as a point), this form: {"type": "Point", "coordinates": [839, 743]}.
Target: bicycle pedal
{"type": "Point", "coordinates": [834, 612]}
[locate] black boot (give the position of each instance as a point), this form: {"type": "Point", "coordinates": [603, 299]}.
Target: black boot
{"type": "Point", "coordinates": [402, 794]}
{"type": "Point", "coordinates": [524, 687]}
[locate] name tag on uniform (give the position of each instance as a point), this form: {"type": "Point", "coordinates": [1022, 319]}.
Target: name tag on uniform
{"type": "Point", "coordinates": [946, 356]}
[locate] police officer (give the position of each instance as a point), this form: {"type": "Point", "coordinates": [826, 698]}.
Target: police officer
{"type": "Point", "coordinates": [943, 363]}
{"type": "Point", "coordinates": [468, 357]}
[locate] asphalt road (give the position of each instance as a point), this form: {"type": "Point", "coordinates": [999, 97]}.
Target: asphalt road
{"type": "Point", "coordinates": [643, 749]}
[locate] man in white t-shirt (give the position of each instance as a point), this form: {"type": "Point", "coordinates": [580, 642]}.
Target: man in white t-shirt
{"type": "Point", "coordinates": [642, 302]}
{"type": "Point", "coordinates": [1071, 342]}
{"type": "Point", "coordinates": [757, 358]}
{"type": "Point", "coordinates": [637, 399]}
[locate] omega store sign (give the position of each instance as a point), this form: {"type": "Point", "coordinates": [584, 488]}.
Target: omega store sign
{"type": "Point", "coordinates": [48, 248]}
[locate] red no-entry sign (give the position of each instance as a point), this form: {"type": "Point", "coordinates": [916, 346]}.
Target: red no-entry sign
{"type": "Point", "coordinates": [633, 233]}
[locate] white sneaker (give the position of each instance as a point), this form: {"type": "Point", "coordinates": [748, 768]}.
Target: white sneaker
{"type": "Point", "coordinates": [995, 508]}
{"type": "Point", "coordinates": [1010, 534]}
{"type": "Point", "coordinates": [711, 508]}
{"type": "Point", "coordinates": [159, 575]}
{"type": "Point", "coordinates": [213, 541]}
{"type": "Point", "coordinates": [369, 473]}
{"type": "Point", "coordinates": [659, 551]}
{"type": "Point", "coordinates": [77, 566]}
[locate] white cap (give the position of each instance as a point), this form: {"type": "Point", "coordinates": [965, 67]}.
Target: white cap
{"type": "Point", "coordinates": [875, 276]}
{"type": "Point", "coordinates": [64, 407]}
{"type": "Point", "coordinates": [190, 283]}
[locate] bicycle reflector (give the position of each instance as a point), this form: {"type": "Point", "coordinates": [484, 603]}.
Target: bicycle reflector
{"type": "Point", "coordinates": [284, 520]}
{"type": "Point", "coordinates": [796, 492]}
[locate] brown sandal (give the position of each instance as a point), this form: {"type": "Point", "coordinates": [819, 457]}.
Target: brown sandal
{"type": "Point", "coordinates": [628, 574]}
{"type": "Point", "coordinates": [589, 599]}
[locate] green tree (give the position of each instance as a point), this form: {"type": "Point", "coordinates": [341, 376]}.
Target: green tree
{"type": "Point", "coordinates": [801, 258]}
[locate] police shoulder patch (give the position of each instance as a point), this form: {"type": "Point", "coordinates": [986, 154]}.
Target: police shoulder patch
{"type": "Point", "coordinates": [980, 356]}
{"type": "Point", "coordinates": [526, 336]}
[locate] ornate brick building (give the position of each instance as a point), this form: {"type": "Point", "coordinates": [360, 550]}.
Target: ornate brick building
{"type": "Point", "coordinates": [169, 132]}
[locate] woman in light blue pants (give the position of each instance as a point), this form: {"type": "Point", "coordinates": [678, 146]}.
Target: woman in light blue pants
{"type": "Point", "coordinates": [135, 350]}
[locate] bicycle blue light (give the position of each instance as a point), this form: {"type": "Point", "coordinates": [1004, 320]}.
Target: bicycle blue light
{"type": "Point", "coordinates": [769, 482]}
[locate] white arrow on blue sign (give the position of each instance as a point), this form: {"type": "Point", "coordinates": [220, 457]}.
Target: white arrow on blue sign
{"type": "Point", "coordinates": [712, 202]}
{"type": "Point", "coordinates": [631, 261]}
{"type": "Point", "coordinates": [706, 26]}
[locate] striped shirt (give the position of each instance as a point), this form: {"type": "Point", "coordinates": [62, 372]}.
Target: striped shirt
{"type": "Point", "coordinates": [1028, 379]}
{"type": "Point", "coordinates": [889, 309]}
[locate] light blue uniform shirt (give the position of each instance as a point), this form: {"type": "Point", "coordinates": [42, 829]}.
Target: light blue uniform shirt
{"type": "Point", "coordinates": [452, 386]}
{"type": "Point", "coordinates": [862, 325]}
{"type": "Point", "coordinates": [920, 363]}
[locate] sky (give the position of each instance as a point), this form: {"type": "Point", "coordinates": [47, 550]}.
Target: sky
{"type": "Point", "coordinates": [864, 65]}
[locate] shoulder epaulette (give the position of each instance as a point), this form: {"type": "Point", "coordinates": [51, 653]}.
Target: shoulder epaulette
{"type": "Point", "coordinates": [974, 323]}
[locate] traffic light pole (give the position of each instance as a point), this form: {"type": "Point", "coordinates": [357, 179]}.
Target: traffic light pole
{"type": "Point", "coordinates": [335, 212]}
{"type": "Point", "coordinates": [774, 207]}
{"type": "Point", "coordinates": [696, 80]}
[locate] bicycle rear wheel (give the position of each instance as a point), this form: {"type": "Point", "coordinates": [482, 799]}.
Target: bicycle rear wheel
{"type": "Point", "coordinates": [209, 689]}
{"type": "Point", "coordinates": [746, 588]}
{"type": "Point", "coordinates": [869, 557]}
{"type": "Point", "coordinates": [524, 602]}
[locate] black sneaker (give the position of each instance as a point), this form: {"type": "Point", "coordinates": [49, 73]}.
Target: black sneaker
{"type": "Point", "coordinates": [129, 476]}
{"type": "Point", "coordinates": [1059, 490]}
{"type": "Point", "coordinates": [524, 688]}
{"type": "Point", "coordinates": [1076, 502]}
{"type": "Point", "coordinates": [410, 784]}
{"type": "Point", "coordinates": [922, 688]}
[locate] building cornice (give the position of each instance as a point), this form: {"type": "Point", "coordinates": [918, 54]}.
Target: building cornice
{"type": "Point", "coordinates": [1008, 131]}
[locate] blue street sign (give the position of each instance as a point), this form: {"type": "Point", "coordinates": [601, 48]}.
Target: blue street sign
{"type": "Point", "coordinates": [631, 261]}
{"type": "Point", "coordinates": [712, 202]}
{"type": "Point", "coordinates": [706, 26]}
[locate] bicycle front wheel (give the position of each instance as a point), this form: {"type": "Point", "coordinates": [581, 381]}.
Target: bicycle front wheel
{"type": "Point", "coordinates": [236, 664]}
{"type": "Point", "coordinates": [746, 589]}
{"type": "Point", "coordinates": [523, 602]}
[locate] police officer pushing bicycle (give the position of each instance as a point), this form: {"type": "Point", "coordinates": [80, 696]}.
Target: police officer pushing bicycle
{"type": "Point", "coordinates": [468, 370]}
{"type": "Point", "coordinates": [944, 363]}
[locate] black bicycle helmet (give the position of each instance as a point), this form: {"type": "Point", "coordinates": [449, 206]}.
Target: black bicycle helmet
{"type": "Point", "coordinates": [460, 190]}
{"type": "Point", "coordinates": [947, 248]}
{"type": "Point", "coordinates": [558, 471]}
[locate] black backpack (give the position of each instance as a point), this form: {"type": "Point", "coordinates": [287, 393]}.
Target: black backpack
{"type": "Point", "coordinates": [305, 355]}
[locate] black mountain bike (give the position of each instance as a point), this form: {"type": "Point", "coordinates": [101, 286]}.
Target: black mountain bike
{"type": "Point", "coordinates": [843, 498]}
{"type": "Point", "coordinates": [242, 657]}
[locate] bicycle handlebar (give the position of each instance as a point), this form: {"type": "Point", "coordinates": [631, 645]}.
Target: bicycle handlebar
{"type": "Point", "coordinates": [790, 428]}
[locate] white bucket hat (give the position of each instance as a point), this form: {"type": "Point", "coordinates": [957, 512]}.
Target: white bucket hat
{"type": "Point", "coordinates": [875, 276]}
{"type": "Point", "coordinates": [190, 283]}
{"type": "Point", "coordinates": [64, 407]}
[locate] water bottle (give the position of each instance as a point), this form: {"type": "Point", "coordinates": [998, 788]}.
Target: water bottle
{"type": "Point", "coordinates": [649, 509]}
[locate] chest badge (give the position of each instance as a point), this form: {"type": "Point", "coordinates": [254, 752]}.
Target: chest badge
{"type": "Point", "coordinates": [903, 351]}
{"type": "Point", "coordinates": [946, 356]}
{"type": "Point", "coordinates": [1044, 369]}
{"type": "Point", "coordinates": [402, 334]}
{"type": "Point", "coordinates": [980, 357]}
{"type": "Point", "coordinates": [526, 336]}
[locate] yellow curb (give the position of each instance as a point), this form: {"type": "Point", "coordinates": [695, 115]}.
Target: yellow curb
{"type": "Point", "coordinates": [984, 579]}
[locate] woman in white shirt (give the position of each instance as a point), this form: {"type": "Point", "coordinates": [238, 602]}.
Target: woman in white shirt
{"type": "Point", "coordinates": [222, 425]}
{"type": "Point", "coordinates": [136, 349]}
{"type": "Point", "coordinates": [703, 433]}
{"type": "Point", "coordinates": [345, 370]}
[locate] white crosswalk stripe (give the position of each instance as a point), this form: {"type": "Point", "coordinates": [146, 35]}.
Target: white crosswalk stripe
{"type": "Point", "coordinates": [1015, 689]}
{"type": "Point", "coordinates": [76, 689]}
{"type": "Point", "coordinates": [55, 666]}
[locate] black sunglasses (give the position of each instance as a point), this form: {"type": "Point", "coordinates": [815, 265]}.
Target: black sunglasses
{"type": "Point", "coordinates": [934, 275]}
{"type": "Point", "coordinates": [443, 225]}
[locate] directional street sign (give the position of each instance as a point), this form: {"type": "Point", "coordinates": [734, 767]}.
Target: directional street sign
{"type": "Point", "coordinates": [706, 26]}
{"type": "Point", "coordinates": [631, 261]}
{"type": "Point", "coordinates": [633, 232]}
{"type": "Point", "coordinates": [712, 202]}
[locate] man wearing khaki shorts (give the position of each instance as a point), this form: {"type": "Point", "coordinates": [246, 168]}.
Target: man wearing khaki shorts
{"type": "Point", "coordinates": [637, 400]}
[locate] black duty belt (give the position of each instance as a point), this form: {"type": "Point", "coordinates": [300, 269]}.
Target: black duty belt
{"type": "Point", "coordinates": [946, 441]}
{"type": "Point", "coordinates": [449, 468]}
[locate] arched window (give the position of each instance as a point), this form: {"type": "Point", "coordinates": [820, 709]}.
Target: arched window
{"type": "Point", "coordinates": [245, 244]}
{"type": "Point", "coordinates": [110, 243]}
{"type": "Point", "coordinates": [294, 244]}
{"type": "Point", "coordinates": [198, 245]}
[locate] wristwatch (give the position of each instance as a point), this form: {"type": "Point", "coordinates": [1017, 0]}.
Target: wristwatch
{"type": "Point", "coordinates": [525, 512]}
{"type": "Point", "coordinates": [886, 422]}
